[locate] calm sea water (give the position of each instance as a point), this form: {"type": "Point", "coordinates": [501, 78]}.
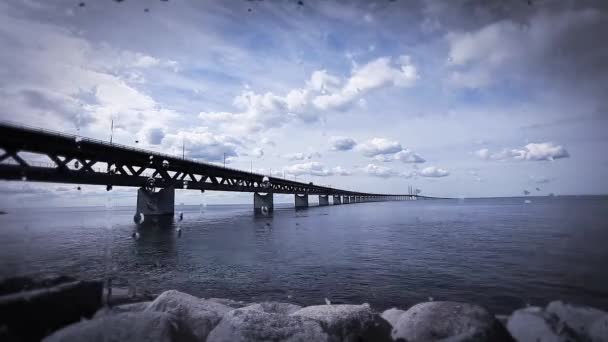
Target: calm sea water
{"type": "Point", "coordinates": [501, 253]}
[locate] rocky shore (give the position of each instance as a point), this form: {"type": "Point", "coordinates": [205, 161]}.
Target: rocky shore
{"type": "Point", "coordinates": [178, 316]}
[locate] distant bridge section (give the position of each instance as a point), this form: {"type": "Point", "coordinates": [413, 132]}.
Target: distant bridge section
{"type": "Point", "coordinates": [78, 160]}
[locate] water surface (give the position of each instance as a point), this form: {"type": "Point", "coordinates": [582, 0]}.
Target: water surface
{"type": "Point", "coordinates": [501, 253]}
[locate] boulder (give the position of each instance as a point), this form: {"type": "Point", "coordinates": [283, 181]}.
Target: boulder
{"type": "Point", "coordinates": [253, 325]}
{"type": "Point", "coordinates": [392, 316]}
{"type": "Point", "coordinates": [579, 319]}
{"type": "Point", "coordinates": [448, 320]}
{"type": "Point", "coordinates": [274, 307]}
{"type": "Point", "coordinates": [133, 307]}
{"type": "Point", "coordinates": [348, 322]}
{"type": "Point", "coordinates": [142, 326]}
{"type": "Point", "coordinates": [559, 322]}
{"type": "Point", "coordinates": [200, 316]}
{"type": "Point", "coordinates": [534, 325]}
{"type": "Point", "coordinates": [235, 304]}
{"type": "Point", "coordinates": [32, 314]}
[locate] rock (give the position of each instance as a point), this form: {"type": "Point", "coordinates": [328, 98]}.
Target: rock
{"type": "Point", "coordinates": [31, 315]}
{"type": "Point", "coordinates": [598, 331]}
{"type": "Point", "coordinates": [349, 322]}
{"type": "Point", "coordinates": [235, 304]}
{"type": "Point", "coordinates": [448, 320]}
{"type": "Point", "coordinates": [534, 325]}
{"type": "Point", "coordinates": [274, 307]}
{"type": "Point", "coordinates": [142, 326]}
{"type": "Point", "coordinates": [19, 284]}
{"type": "Point", "coordinates": [133, 307]}
{"type": "Point", "coordinates": [200, 316]}
{"type": "Point", "coordinates": [253, 325]}
{"type": "Point", "coordinates": [392, 316]}
{"type": "Point", "coordinates": [579, 319]}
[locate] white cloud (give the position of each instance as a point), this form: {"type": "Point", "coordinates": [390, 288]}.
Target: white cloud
{"type": "Point", "coordinates": [257, 152]}
{"type": "Point", "coordinates": [534, 152]}
{"type": "Point", "coordinates": [322, 92]}
{"type": "Point", "coordinates": [378, 146]}
{"type": "Point", "coordinates": [339, 143]}
{"type": "Point", "coordinates": [202, 144]}
{"type": "Point", "coordinates": [383, 171]}
{"type": "Point", "coordinates": [433, 172]}
{"type": "Point", "coordinates": [315, 169]}
{"type": "Point", "coordinates": [375, 74]}
{"type": "Point", "coordinates": [408, 156]}
{"type": "Point", "coordinates": [301, 156]}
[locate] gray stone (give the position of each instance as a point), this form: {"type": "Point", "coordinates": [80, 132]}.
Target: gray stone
{"type": "Point", "coordinates": [134, 327]}
{"type": "Point", "coordinates": [598, 330]}
{"type": "Point", "coordinates": [534, 325]}
{"type": "Point", "coordinates": [392, 316]}
{"type": "Point", "coordinates": [579, 319]}
{"type": "Point", "coordinates": [133, 307]}
{"type": "Point", "coordinates": [253, 325]}
{"type": "Point", "coordinates": [200, 316]}
{"type": "Point", "coordinates": [349, 322]}
{"type": "Point", "coordinates": [235, 304]}
{"type": "Point", "coordinates": [274, 307]}
{"type": "Point", "coordinates": [450, 321]}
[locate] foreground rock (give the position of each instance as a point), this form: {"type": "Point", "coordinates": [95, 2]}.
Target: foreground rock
{"type": "Point", "coordinates": [451, 321]}
{"type": "Point", "coordinates": [45, 305]}
{"type": "Point", "coordinates": [348, 322]}
{"type": "Point", "coordinates": [559, 322]}
{"type": "Point", "coordinates": [199, 316]}
{"type": "Point", "coordinates": [253, 325]}
{"type": "Point", "coordinates": [143, 326]}
{"type": "Point", "coordinates": [274, 307]}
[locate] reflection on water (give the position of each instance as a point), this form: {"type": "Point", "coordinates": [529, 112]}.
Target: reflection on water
{"type": "Point", "coordinates": [500, 253]}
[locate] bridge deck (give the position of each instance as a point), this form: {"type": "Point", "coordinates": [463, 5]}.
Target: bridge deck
{"type": "Point", "coordinates": [75, 159]}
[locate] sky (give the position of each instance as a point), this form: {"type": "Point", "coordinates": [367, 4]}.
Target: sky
{"type": "Point", "coordinates": [457, 98]}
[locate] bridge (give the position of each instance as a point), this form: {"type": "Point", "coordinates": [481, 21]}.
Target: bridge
{"type": "Point", "coordinates": [78, 160]}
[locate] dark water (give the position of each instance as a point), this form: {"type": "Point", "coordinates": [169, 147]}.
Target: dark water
{"type": "Point", "coordinates": [501, 253]}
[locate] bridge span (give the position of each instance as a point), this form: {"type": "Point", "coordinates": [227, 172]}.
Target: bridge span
{"type": "Point", "coordinates": [78, 160]}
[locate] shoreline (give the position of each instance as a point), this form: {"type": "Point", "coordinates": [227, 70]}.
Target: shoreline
{"type": "Point", "coordinates": [61, 308]}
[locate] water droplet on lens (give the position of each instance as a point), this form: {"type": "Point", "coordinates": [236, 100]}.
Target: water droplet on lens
{"type": "Point", "coordinates": [76, 164]}
{"type": "Point", "coordinates": [264, 210]}
{"type": "Point", "coordinates": [135, 235]}
{"type": "Point", "coordinates": [185, 184]}
{"type": "Point", "coordinates": [327, 301]}
{"type": "Point", "coordinates": [78, 188]}
{"type": "Point", "coordinates": [24, 178]}
{"type": "Point", "coordinates": [78, 139]}
{"type": "Point", "coordinates": [139, 218]}
{"type": "Point", "coordinates": [108, 187]}
{"type": "Point", "coordinates": [181, 216]}
{"type": "Point", "coordinates": [165, 164]}
{"type": "Point", "coordinates": [431, 299]}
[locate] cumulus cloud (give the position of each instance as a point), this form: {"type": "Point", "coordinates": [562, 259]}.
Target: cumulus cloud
{"type": "Point", "coordinates": [433, 172]}
{"type": "Point", "coordinates": [377, 146]}
{"type": "Point", "coordinates": [315, 169]}
{"type": "Point", "coordinates": [202, 144]}
{"type": "Point", "coordinates": [323, 91]}
{"type": "Point", "coordinates": [383, 171]}
{"type": "Point", "coordinates": [339, 143]}
{"type": "Point", "coordinates": [408, 156]}
{"type": "Point", "coordinates": [301, 156]}
{"type": "Point", "coordinates": [257, 152]}
{"type": "Point", "coordinates": [534, 152]}
{"type": "Point", "coordinates": [379, 73]}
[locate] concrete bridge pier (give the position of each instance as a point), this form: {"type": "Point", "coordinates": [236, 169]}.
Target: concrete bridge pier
{"type": "Point", "coordinates": [345, 199]}
{"type": "Point", "coordinates": [337, 200]}
{"type": "Point", "coordinates": [263, 203]}
{"type": "Point", "coordinates": [301, 200]}
{"type": "Point", "coordinates": [158, 203]}
{"type": "Point", "coordinates": [323, 200]}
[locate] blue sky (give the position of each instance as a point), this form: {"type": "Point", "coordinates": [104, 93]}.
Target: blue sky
{"type": "Point", "coordinates": [459, 98]}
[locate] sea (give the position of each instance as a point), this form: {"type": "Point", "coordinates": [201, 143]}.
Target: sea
{"type": "Point", "coordinates": [502, 253]}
